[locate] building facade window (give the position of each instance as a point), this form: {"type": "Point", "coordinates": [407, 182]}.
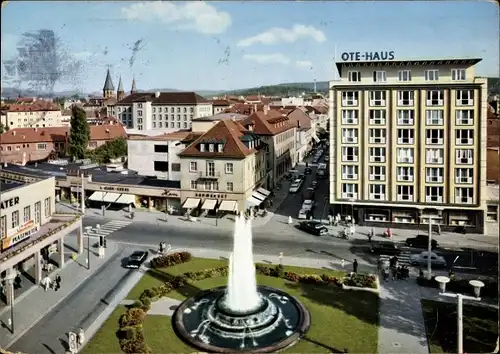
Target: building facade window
{"type": "Point", "coordinates": [349, 172]}
{"type": "Point", "coordinates": [349, 136]}
{"type": "Point", "coordinates": [464, 117]}
{"type": "Point", "coordinates": [377, 173]}
{"type": "Point", "coordinates": [193, 166]}
{"type": "Point", "coordinates": [435, 98]}
{"type": "Point", "coordinates": [406, 136]}
{"type": "Point", "coordinates": [405, 174]}
{"type": "Point", "coordinates": [434, 194]}
{"type": "Point", "coordinates": [404, 75]}
{"type": "Point", "coordinates": [38, 213]}
{"type": "Point", "coordinates": [464, 156]}
{"type": "Point", "coordinates": [354, 76]}
{"type": "Point", "coordinates": [377, 191]}
{"type": "Point", "coordinates": [350, 116]}
{"type": "Point", "coordinates": [229, 186]}
{"type": "Point", "coordinates": [464, 137]}
{"type": "Point", "coordinates": [379, 76]}
{"type": "Point", "coordinates": [434, 156]}
{"type": "Point", "coordinates": [350, 154]}
{"type": "Point", "coordinates": [434, 174]}
{"type": "Point", "coordinates": [434, 117]}
{"type": "Point", "coordinates": [27, 214]}
{"type": "Point", "coordinates": [406, 116]}
{"type": "Point", "coordinates": [377, 98]}
{"type": "Point", "coordinates": [435, 136]}
{"type": "Point", "coordinates": [431, 75]}
{"type": "Point", "coordinates": [349, 191]}
{"type": "Point", "coordinates": [465, 98]}
{"type": "Point", "coordinates": [229, 168]}
{"type": "Point", "coordinates": [47, 207]}
{"type": "Point", "coordinates": [458, 75]}
{"type": "Point", "coordinates": [377, 116]}
{"type": "Point", "coordinates": [377, 154]}
{"type": "Point", "coordinates": [406, 98]}
{"type": "Point", "coordinates": [464, 195]}
{"type": "Point", "coordinates": [350, 98]}
{"type": "Point", "coordinates": [405, 193]}
{"type": "Point", "coordinates": [377, 135]}
{"type": "Point", "coordinates": [404, 155]}
{"type": "Point", "coordinates": [464, 175]}
{"type": "Point", "coordinates": [15, 219]}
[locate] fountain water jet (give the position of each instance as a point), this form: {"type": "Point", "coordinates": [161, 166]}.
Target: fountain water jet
{"type": "Point", "coordinates": [228, 319]}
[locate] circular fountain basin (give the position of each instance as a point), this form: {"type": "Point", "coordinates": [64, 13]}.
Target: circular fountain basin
{"type": "Point", "coordinates": [205, 322]}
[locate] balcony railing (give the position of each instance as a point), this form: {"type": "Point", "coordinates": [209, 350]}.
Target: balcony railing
{"type": "Point", "coordinates": [464, 200]}
{"type": "Point", "coordinates": [349, 176]}
{"type": "Point", "coordinates": [209, 174]}
{"type": "Point", "coordinates": [377, 196]}
{"type": "Point", "coordinates": [405, 198]}
{"type": "Point", "coordinates": [405, 121]}
{"type": "Point", "coordinates": [435, 160]}
{"type": "Point", "coordinates": [463, 180]}
{"type": "Point", "coordinates": [434, 198]}
{"type": "Point", "coordinates": [377, 121]}
{"type": "Point", "coordinates": [434, 141]}
{"type": "Point", "coordinates": [405, 159]}
{"type": "Point", "coordinates": [349, 195]}
{"type": "Point", "coordinates": [349, 102]}
{"type": "Point", "coordinates": [377, 103]}
{"type": "Point", "coordinates": [434, 179]}
{"type": "Point", "coordinates": [377, 140]}
{"type": "Point", "coordinates": [464, 161]}
{"type": "Point", "coordinates": [464, 141]}
{"type": "Point", "coordinates": [405, 178]}
{"type": "Point", "coordinates": [350, 120]}
{"type": "Point", "coordinates": [465, 102]}
{"type": "Point", "coordinates": [436, 102]}
{"type": "Point", "coordinates": [349, 140]}
{"type": "Point", "coordinates": [405, 103]}
{"type": "Point", "coordinates": [377, 158]}
{"type": "Point", "coordinates": [405, 141]}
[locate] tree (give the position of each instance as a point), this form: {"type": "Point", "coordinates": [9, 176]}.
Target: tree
{"type": "Point", "coordinates": [79, 133]}
{"type": "Point", "coordinates": [110, 150]}
{"type": "Point", "coordinates": [2, 128]}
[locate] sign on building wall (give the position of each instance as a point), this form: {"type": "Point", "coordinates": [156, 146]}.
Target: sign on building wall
{"type": "Point", "coordinates": [18, 234]}
{"type": "Point", "coordinates": [367, 56]}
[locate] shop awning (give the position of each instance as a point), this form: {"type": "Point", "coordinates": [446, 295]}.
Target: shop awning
{"type": "Point", "coordinates": [263, 191]}
{"type": "Point", "coordinates": [126, 199]}
{"type": "Point", "coordinates": [191, 203]}
{"type": "Point", "coordinates": [111, 197]}
{"type": "Point", "coordinates": [258, 196]}
{"type": "Point", "coordinates": [209, 204]}
{"type": "Point", "coordinates": [315, 137]}
{"type": "Point", "coordinates": [97, 196]}
{"type": "Point", "coordinates": [253, 201]}
{"type": "Point", "coordinates": [228, 205]}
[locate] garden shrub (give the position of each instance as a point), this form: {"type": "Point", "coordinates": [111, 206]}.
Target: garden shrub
{"type": "Point", "coordinates": [310, 279]}
{"type": "Point", "coordinates": [278, 271]}
{"type": "Point", "coordinates": [170, 259]}
{"type": "Point", "coordinates": [291, 276]}
{"type": "Point", "coordinates": [136, 345]}
{"type": "Point", "coordinates": [361, 280]}
{"type": "Point", "coordinates": [133, 317]}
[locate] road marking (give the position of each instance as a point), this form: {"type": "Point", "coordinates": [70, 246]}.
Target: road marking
{"type": "Point", "coordinates": [403, 258]}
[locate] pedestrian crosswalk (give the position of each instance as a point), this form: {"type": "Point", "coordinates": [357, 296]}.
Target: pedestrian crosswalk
{"type": "Point", "coordinates": [403, 258]}
{"type": "Point", "coordinates": [107, 228]}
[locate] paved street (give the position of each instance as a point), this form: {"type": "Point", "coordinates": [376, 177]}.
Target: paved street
{"type": "Point", "coordinates": [77, 310]}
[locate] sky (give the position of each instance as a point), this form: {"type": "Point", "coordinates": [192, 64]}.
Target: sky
{"type": "Point", "coordinates": [231, 45]}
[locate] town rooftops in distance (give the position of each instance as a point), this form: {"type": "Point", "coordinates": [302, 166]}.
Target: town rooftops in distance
{"type": "Point", "coordinates": [59, 134]}
{"type": "Point", "coordinates": [164, 98]}
{"type": "Point", "coordinates": [405, 63]}
{"type": "Point", "coordinates": [268, 122]}
{"type": "Point", "coordinates": [174, 136]}
{"type": "Point", "coordinates": [37, 106]}
{"type": "Point", "coordinates": [228, 138]}
{"type": "Point", "coordinates": [221, 116]}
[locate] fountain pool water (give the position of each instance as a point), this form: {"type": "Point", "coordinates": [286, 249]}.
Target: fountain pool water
{"type": "Point", "coordinates": [241, 316]}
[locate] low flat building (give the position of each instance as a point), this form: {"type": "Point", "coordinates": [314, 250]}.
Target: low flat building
{"type": "Point", "coordinates": [223, 170]}
{"type": "Point", "coordinates": [219, 106]}
{"type": "Point", "coordinates": [157, 156]}
{"type": "Point", "coordinates": [23, 145]}
{"type": "Point", "coordinates": [29, 225]}
{"type": "Point", "coordinates": [35, 114]}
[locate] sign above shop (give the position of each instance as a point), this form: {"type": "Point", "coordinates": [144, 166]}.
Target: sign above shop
{"type": "Point", "coordinates": [19, 234]}
{"type": "Point", "coordinates": [9, 203]}
{"type": "Point", "coordinates": [367, 56]}
{"type": "Point", "coordinates": [210, 195]}
{"type": "Point", "coordinates": [117, 189]}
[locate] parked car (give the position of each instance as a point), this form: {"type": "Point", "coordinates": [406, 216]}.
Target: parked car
{"type": "Point", "coordinates": [314, 227]}
{"type": "Point", "coordinates": [136, 259]}
{"type": "Point", "coordinates": [303, 213]}
{"type": "Point", "coordinates": [422, 258]}
{"type": "Point", "coordinates": [307, 205]}
{"type": "Point", "coordinates": [421, 241]}
{"type": "Point", "coordinates": [308, 171]}
{"type": "Point", "coordinates": [294, 187]}
{"type": "Point", "coordinates": [327, 158]}
{"type": "Point", "coordinates": [385, 248]}
{"type": "Point", "coordinates": [314, 184]}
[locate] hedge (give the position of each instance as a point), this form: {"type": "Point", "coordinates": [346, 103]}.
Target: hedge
{"type": "Point", "coordinates": [131, 334]}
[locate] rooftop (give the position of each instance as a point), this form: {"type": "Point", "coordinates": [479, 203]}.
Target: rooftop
{"type": "Point", "coordinates": [405, 63]}
{"type": "Point", "coordinates": [221, 116]}
{"type": "Point", "coordinates": [174, 136]}
{"type": "Point", "coordinates": [8, 184]}
{"type": "Point", "coordinates": [164, 98]}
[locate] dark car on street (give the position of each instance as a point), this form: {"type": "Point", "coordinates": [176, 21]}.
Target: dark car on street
{"type": "Point", "coordinates": [313, 227]}
{"type": "Point", "coordinates": [314, 184]}
{"type": "Point", "coordinates": [308, 171]}
{"type": "Point", "coordinates": [385, 248]}
{"type": "Point", "coordinates": [421, 241]}
{"type": "Point", "coordinates": [136, 259]}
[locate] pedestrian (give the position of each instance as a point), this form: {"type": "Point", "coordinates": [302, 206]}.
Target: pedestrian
{"type": "Point", "coordinates": [46, 282]}
{"type": "Point", "coordinates": [394, 271]}
{"type": "Point", "coordinates": [420, 273]}
{"type": "Point", "coordinates": [355, 266]}
{"type": "Point", "coordinates": [160, 246]}
{"type": "Point", "coordinates": [342, 263]}
{"type": "Point", "coordinates": [58, 282]}
{"type": "Point", "coordinates": [17, 281]}
{"type": "Point", "coordinates": [386, 274]}
{"type": "Point", "coordinates": [370, 235]}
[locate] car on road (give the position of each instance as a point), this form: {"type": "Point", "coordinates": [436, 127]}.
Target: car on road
{"type": "Point", "coordinates": [385, 248]}
{"type": "Point", "coordinates": [314, 184]}
{"type": "Point", "coordinates": [303, 213]}
{"type": "Point", "coordinates": [136, 259]}
{"type": "Point", "coordinates": [322, 174]}
{"type": "Point", "coordinates": [422, 258]}
{"type": "Point", "coordinates": [314, 227]}
{"type": "Point", "coordinates": [327, 158]}
{"type": "Point", "coordinates": [421, 241]}
{"type": "Point", "coordinates": [295, 186]}
{"type": "Point", "coordinates": [308, 171]}
{"type": "Point", "coordinates": [308, 204]}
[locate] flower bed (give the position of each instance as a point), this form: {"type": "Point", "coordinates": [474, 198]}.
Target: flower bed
{"type": "Point", "coordinates": [131, 334]}
{"type": "Point", "coordinates": [462, 286]}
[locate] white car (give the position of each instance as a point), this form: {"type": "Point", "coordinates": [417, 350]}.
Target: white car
{"type": "Point", "coordinates": [294, 188]}
{"type": "Point", "coordinates": [303, 213]}
{"type": "Point", "coordinates": [421, 259]}
{"type": "Point", "coordinates": [307, 205]}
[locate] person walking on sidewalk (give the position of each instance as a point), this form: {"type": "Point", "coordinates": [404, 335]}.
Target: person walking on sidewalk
{"type": "Point", "coordinates": [58, 282]}
{"type": "Point", "coordinates": [46, 282]}
{"type": "Point", "coordinates": [355, 266]}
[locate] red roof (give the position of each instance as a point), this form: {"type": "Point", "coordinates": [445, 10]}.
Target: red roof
{"type": "Point", "coordinates": [272, 123]}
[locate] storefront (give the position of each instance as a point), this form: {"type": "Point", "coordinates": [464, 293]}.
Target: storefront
{"type": "Point", "coordinates": [201, 203]}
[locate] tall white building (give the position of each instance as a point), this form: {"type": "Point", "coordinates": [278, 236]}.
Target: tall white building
{"type": "Point", "coordinates": [160, 112]}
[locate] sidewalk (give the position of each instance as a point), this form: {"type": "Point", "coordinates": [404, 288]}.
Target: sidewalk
{"type": "Point", "coordinates": [37, 303]}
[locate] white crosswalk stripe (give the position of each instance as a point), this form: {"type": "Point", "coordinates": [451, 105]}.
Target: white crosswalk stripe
{"type": "Point", "coordinates": [403, 258]}
{"type": "Point", "coordinates": [108, 228]}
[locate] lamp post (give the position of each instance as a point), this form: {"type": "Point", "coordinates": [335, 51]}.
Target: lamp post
{"type": "Point", "coordinates": [87, 230]}
{"type": "Point", "coordinates": [324, 209]}
{"type": "Point", "coordinates": [429, 250]}
{"type": "Point", "coordinates": [460, 319]}
{"type": "Point", "coordinates": [82, 195]}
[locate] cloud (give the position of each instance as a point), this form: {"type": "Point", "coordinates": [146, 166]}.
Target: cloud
{"type": "Point", "coordinates": [274, 58]}
{"type": "Point", "coordinates": [305, 64]}
{"type": "Point", "coordinates": [284, 35]}
{"type": "Point", "coordinates": [193, 15]}
{"type": "Point", "coordinates": [82, 55]}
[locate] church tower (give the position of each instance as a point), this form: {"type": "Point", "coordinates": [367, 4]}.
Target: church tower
{"type": "Point", "coordinates": [120, 93]}
{"type": "Point", "coordinates": [108, 90]}
{"type": "Point", "coordinates": [134, 87]}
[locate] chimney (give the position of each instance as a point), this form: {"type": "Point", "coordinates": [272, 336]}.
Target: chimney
{"type": "Point", "coordinates": [266, 107]}
{"type": "Point", "coordinates": [36, 129]}
{"type": "Point", "coordinates": [157, 94]}
{"type": "Point", "coordinates": [14, 133]}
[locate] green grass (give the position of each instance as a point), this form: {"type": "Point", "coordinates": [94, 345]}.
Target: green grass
{"type": "Point", "coordinates": [337, 316]}
{"type": "Point", "coordinates": [480, 327]}
{"type": "Point", "coordinates": [105, 341]}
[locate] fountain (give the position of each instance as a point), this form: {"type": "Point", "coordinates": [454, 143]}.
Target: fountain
{"type": "Point", "coordinates": [242, 316]}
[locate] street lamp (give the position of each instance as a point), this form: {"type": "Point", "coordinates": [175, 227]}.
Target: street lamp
{"type": "Point", "coordinates": [352, 209]}
{"type": "Point", "coordinates": [87, 230]}
{"type": "Point", "coordinates": [460, 319]}
{"type": "Point", "coordinates": [429, 250]}
{"type": "Point", "coordinates": [324, 209]}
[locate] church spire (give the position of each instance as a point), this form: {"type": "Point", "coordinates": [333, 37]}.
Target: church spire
{"type": "Point", "coordinates": [120, 86]}
{"type": "Point", "coordinates": [134, 86]}
{"type": "Point", "coordinates": [120, 93]}
{"type": "Point", "coordinates": [109, 88]}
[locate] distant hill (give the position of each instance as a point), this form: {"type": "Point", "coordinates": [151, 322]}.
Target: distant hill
{"type": "Point", "coordinates": [291, 88]}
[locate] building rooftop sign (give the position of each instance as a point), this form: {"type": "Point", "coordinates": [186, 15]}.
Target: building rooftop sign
{"type": "Point", "coordinates": [367, 56]}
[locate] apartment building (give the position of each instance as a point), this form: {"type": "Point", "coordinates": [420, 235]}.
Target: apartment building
{"type": "Point", "coordinates": [157, 156]}
{"type": "Point", "coordinates": [220, 106]}
{"type": "Point", "coordinates": [278, 132]}
{"type": "Point", "coordinates": [23, 145]}
{"type": "Point", "coordinates": [204, 124]}
{"type": "Point", "coordinates": [305, 132]}
{"type": "Point", "coordinates": [223, 169]}
{"type": "Point", "coordinates": [37, 114]}
{"type": "Point", "coordinates": [161, 112]}
{"type": "Point", "coordinates": [408, 142]}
